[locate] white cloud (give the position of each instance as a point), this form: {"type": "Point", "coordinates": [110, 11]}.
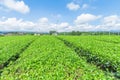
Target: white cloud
{"type": "Point", "coordinates": [111, 22]}
{"type": "Point", "coordinates": [85, 18]}
{"type": "Point", "coordinates": [65, 24]}
{"type": "Point", "coordinates": [43, 20]}
{"type": "Point", "coordinates": [62, 27]}
{"type": "Point", "coordinates": [13, 24]}
{"type": "Point", "coordinates": [15, 5]}
{"type": "Point", "coordinates": [82, 22]}
{"type": "Point", "coordinates": [73, 6]}
{"type": "Point", "coordinates": [44, 25]}
{"type": "Point", "coordinates": [111, 19]}
{"type": "Point", "coordinates": [84, 27]}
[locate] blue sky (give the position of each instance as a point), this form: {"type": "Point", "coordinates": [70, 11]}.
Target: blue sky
{"type": "Point", "coordinates": [59, 15]}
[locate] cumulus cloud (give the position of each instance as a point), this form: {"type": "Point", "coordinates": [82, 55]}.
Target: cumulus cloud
{"type": "Point", "coordinates": [64, 26]}
{"type": "Point", "coordinates": [111, 22]}
{"type": "Point", "coordinates": [108, 23]}
{"type": "Point", "coordinates": [13, 24]}
{"type": "Point", "coordinates": [43, 20]}
{"type": "Point", "coordinates": [85, 18]}
{"type": "Point", "coordinates": [42, 25]}
{"type": "Point", "coordinates": [111, 19]}
{"type": "Point", "coordinates": [84, 27]}
{"type": "Point", "coordinates": [15, 5]}
{"type": "Point", "coordinates": [73, 6]}
{"type": "Point", "coordinates": [76, 4]}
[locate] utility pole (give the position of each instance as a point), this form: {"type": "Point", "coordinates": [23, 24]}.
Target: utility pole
{"type": "Point", "coordinates": [109, 33]}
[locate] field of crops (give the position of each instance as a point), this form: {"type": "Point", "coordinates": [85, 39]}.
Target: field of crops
{"type": "Point", "coordinates": [60, 58]}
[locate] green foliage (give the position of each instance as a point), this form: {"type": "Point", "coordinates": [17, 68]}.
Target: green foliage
{"type": "Point", "coordinates": [50, 59]}
{"type": "Point", "coordinates": [102, 51]}
{"type": "Point", "coordinates": [11, 45]}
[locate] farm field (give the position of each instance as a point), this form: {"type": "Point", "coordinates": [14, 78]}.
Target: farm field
{"type": "Point", "coordinates": [60, 58]}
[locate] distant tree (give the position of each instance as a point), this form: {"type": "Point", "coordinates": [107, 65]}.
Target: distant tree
{"type": "Point", "coordinates": [51, 32]}
{"type": "Point", "coordinates": [76, 33]}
